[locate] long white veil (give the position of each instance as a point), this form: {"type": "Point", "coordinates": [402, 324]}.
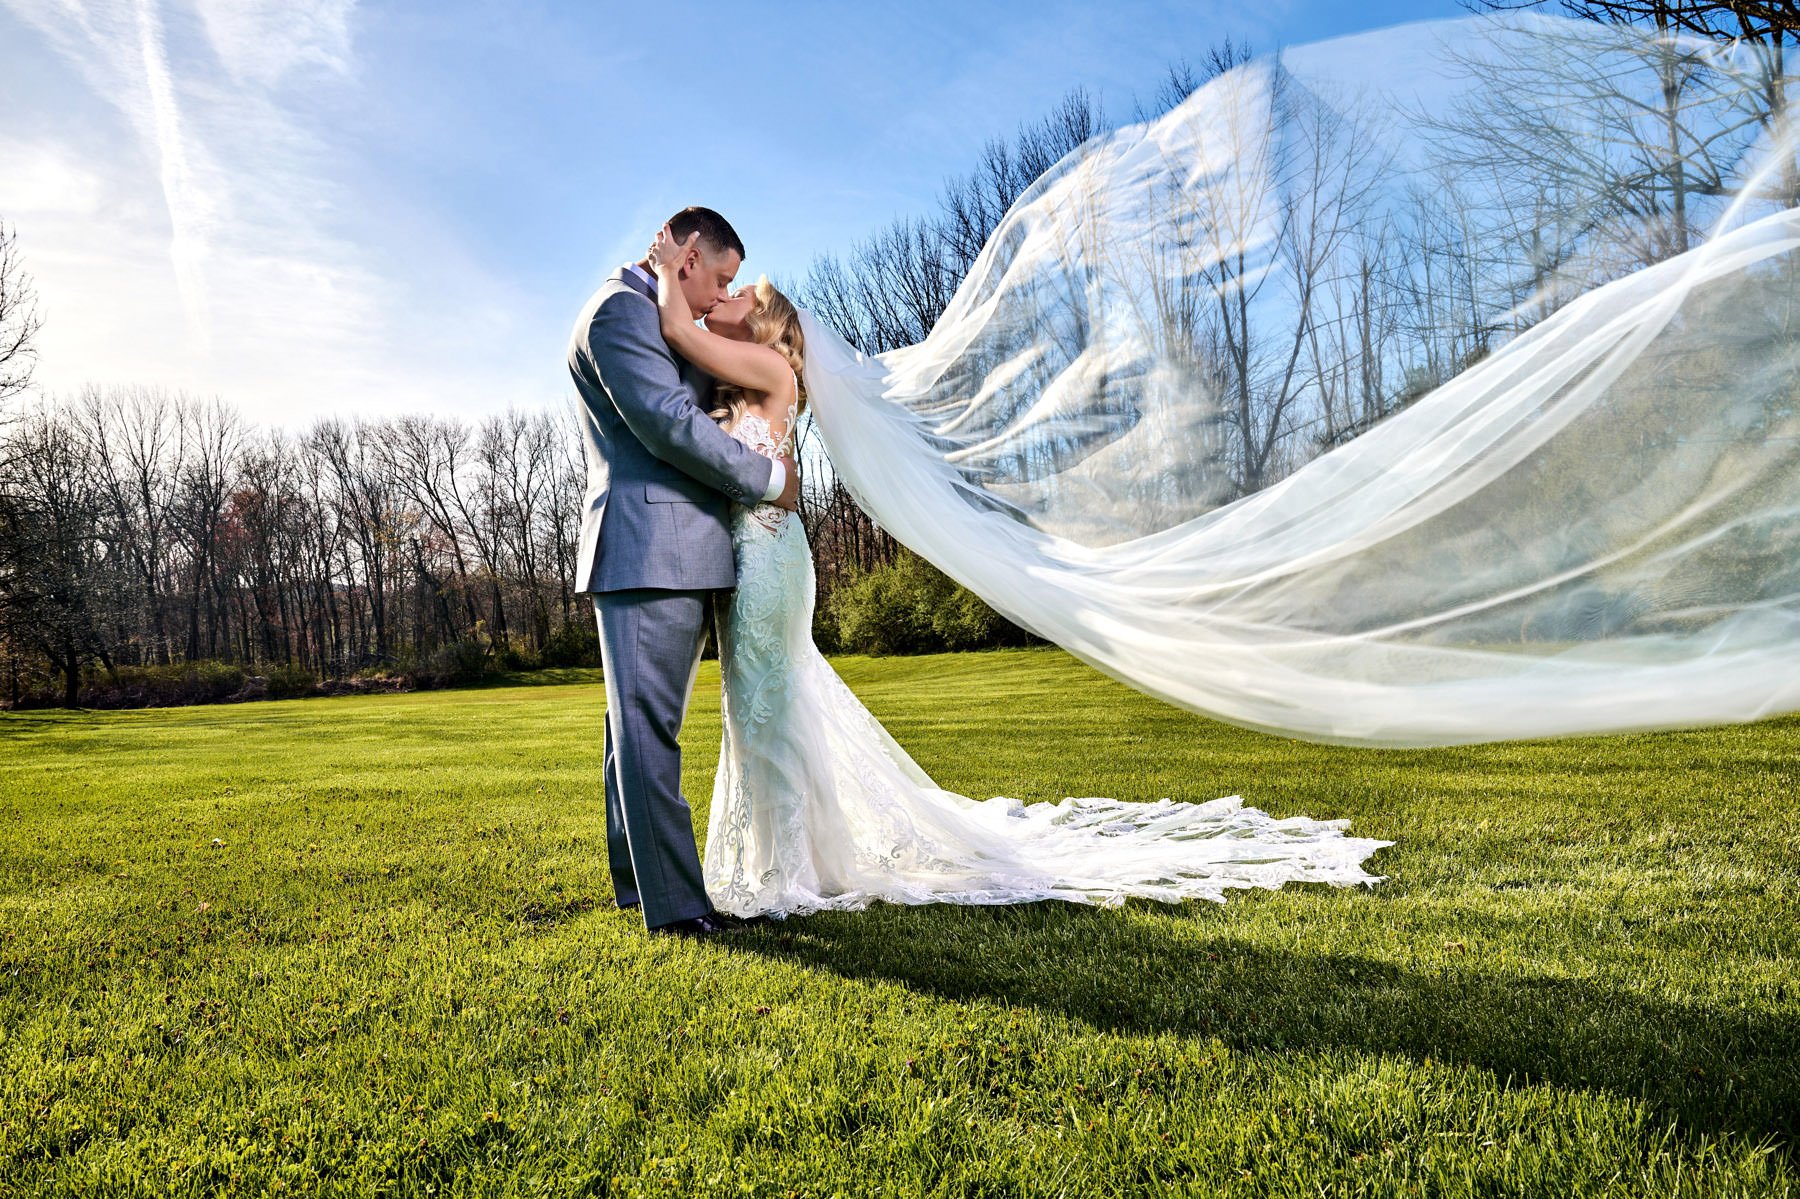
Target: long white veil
{"type": "Point", "coordinates": [1509, 312]}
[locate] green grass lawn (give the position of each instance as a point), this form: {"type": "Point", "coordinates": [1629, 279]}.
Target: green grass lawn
{"type": "Point", "coordinates": [399, 970]}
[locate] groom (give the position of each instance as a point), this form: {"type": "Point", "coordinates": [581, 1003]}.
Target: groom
{"type": "Point", "coordinates": [655, 547]}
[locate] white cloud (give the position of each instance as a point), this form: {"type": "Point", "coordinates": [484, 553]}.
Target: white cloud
{"type": "Point", "coordinates": [199, 240]}
{"type": "Point", "coordinates": [40, 177]}
{"type": "Point", "coordinates": [262, 41]}
{"type": "Point", "coordinates": [100, 259]}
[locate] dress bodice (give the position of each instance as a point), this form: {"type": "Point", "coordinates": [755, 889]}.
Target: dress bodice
{"type": "Point", "coordinates": [755, 432]}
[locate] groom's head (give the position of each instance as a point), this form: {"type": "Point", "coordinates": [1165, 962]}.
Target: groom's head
{"type": "Point", "coordinates": [711, 263]}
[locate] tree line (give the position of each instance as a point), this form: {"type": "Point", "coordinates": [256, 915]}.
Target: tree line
{"type": "Point", "coordinates": [149, 528]}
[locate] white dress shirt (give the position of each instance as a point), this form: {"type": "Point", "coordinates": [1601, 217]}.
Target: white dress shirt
{"type": "Point", "coordinates": [777, 472]}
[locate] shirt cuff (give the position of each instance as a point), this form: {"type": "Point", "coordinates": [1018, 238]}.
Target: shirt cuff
{"type": "Point", "coordinates": [777, 481]}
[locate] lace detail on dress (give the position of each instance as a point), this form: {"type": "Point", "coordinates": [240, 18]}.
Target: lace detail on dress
{"type": "Point", "coordinates": [754, 431]}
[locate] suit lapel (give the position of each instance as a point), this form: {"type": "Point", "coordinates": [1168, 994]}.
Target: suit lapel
{"type": "Point", "coordinates": [630, 279]}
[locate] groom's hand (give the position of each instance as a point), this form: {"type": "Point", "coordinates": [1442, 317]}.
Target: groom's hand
{"type": "Point", "coordinates": [790, 491]}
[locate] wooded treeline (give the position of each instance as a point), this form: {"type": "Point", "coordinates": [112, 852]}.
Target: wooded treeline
{"type": "Point", "coordinates": [148, 529]}
{"type": "Point", "coordinates": [144, 530]}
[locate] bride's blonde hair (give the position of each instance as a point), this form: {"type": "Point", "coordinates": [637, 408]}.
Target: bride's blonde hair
{"type": "Point", "coordinates": [774, 322]}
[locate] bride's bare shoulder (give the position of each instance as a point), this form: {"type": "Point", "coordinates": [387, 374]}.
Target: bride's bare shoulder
{"type": "Point", "coordinates": [775, 405]}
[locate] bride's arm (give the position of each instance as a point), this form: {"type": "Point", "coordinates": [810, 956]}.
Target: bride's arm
{"type": "Point", "coordinates": [745, 363]}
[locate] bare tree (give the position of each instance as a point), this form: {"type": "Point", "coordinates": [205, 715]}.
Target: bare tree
{"type": "Point", "coordinates": [1719, 20]}
{"type": "Point", "coordinates": [367, 503]}
{"type": "Point", "coordinates": [1354, 337]}
{"type": "Point", "coordinates": [973, 204]}
{"type": "Point", "coordinates": [1267, 254]}
{"type": "Point", "coordinates": [1765, 28]}
{"type": "Point", "coordinates": [517, 450]}
{"type": "Point", "coordinates": [214, 434]}
{"type": "Point", "coordinates": [325, 546]}
{"type": "Point", "coordinates": [53, 589]}
{"type": "Point", "coordinates": [428, 458]}
{"type": "Point", "coordinates": [135, 435]}
{"type": "Point", "coordinates": [1182, 78]}
{"type": "Point", "coordinates": [19, 319]}
{"type": "Point", "coordinates": [894, 285]}
{"type": "Point", "coordinates": [264, 555]}
{"type": "Point", "coordinates": [563, 513]}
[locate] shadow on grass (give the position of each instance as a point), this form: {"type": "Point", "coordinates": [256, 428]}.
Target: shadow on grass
{"type": "Point", "coordinates": [1712, 1070]}
{"type": "Point", "coordinates": [38, 720]}
{"type": "Point", "coordinates": [546, 676]}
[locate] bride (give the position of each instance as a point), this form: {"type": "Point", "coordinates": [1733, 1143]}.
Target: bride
{"type": "Point", "coordinates": [815, 806]}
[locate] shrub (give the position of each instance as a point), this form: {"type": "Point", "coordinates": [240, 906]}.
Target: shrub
{"type": "Point", "coordinates": [218, 680]}
{"type": "Point", "coordinates": [288, 681]}
{"type": "Point", "coordinates": [457, 662]}
{"type": "Point", "coordinates": [575, 644]}
{"type": "Point", "coordinates": [511, 657]}
{"type": "Point", "coordinates": [912, 607]}
{"type": "Point", "coordinates": [825, 632]}
{"type": "Point", "coordinates": [163, 686]}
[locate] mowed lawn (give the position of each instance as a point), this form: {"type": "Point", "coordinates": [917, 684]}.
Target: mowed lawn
{"type": "Point", "coordinates": [366, 946]}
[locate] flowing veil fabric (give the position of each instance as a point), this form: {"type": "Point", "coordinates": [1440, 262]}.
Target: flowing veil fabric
{"type": "Point", "coordinates": [1426, 387]}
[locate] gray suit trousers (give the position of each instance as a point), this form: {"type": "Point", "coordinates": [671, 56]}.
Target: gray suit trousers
{"type": "Point", "coordinates": [650, 643]}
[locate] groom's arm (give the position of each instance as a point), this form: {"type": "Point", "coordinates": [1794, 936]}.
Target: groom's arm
{"type": "Point", "coordinates": [627, 345]}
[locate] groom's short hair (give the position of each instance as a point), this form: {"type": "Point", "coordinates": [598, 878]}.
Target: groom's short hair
{"type": "Point", "coordinates": [716, 233]}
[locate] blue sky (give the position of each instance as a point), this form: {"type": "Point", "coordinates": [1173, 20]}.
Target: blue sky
{"type": "Point", "coordinates": [350, 206]}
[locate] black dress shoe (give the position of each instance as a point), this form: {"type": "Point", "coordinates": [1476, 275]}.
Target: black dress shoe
{"type": "Point", "coordinates": [712, 924]}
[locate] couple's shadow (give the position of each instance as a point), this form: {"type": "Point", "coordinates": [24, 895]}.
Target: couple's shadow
{"type": "Point", "coordinates": [1711, 1070]}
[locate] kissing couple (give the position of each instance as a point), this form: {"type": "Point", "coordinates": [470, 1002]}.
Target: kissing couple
{"type": "Point", "coordinates": [689, 397]}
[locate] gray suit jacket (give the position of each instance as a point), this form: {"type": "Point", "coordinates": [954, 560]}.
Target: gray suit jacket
{"type": "Point", "coordinates": [660, 472]}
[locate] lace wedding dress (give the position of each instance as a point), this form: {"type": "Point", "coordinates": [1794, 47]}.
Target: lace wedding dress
{"type": "Point", "coordinates": [815, 806]}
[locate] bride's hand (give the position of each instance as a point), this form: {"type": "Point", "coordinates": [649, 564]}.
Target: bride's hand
{"type": "Point", "coordinates": [667, 253]}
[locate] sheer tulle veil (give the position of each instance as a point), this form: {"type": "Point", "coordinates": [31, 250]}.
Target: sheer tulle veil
{"type": "Point", "coordinates": [1432, 386]}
